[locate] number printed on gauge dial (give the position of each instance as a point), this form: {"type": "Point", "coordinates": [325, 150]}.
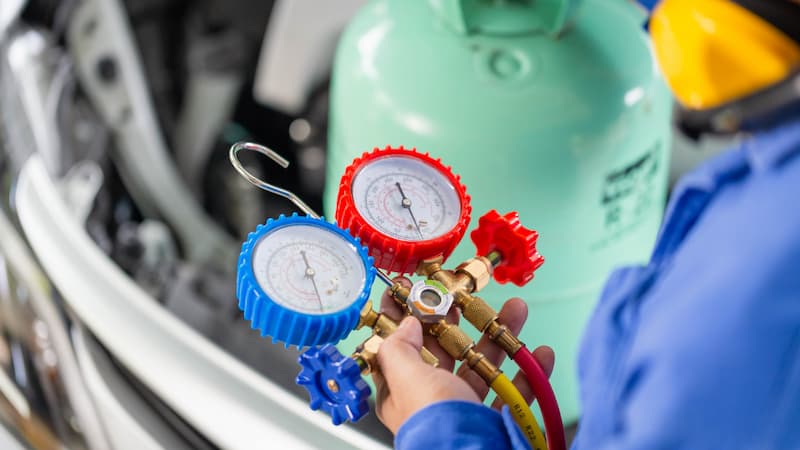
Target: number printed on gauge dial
{"type": "Point", "coordinates": [406, 199]}
{"type": "Point", "coordinates": [309, 269]}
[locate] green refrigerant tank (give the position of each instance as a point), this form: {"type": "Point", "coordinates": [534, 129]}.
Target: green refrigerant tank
{"type": "Point", "coordinates": [551, 108]}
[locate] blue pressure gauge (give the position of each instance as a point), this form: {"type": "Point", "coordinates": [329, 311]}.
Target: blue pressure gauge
{"type": "Point", "coordinates": [303, 281]}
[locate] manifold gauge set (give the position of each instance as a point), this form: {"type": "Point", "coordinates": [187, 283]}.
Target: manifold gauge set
{"type": "Point", "coordinates": [304, 281]}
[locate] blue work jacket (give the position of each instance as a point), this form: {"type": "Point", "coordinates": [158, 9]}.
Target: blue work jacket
{"type": "Point", "coordinates": [699, 348]}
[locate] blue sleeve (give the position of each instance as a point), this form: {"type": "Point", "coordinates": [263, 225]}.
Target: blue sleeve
{"type": "Point", "coordinates": [459, 425]}
{"type": "Point", "coordinates": [703, 350]}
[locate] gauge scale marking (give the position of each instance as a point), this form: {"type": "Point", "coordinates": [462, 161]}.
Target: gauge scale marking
{"type": "Point", "coordinates": [308, 269]}
{"type": "Point", "coordinates": [406, 199]}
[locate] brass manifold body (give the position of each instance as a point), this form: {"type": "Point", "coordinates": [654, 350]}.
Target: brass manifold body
{"type": "Point", "coordinates": [468, 278]}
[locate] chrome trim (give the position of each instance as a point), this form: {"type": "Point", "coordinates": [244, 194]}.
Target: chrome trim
{"type": "Point", "coordinates": [9, 13]}
{"type": "Point", "coordinates": [131, 423]}
{"type": "Point", "coordinates": [23, 267]}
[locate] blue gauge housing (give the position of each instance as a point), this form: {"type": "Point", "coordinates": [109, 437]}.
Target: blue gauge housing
{"type": "Point", "coordinates": [286, 325]}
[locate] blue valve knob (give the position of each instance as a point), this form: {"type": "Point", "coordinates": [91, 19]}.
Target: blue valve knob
{"type": "Point", "coordinates": [334, 383]}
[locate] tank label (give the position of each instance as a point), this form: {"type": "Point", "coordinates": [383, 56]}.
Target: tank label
{"type": "Point", "coordinates": [628, 195]}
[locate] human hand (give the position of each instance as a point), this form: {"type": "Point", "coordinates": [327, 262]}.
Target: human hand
{"type": "Point", "coordinates": [406, 384]}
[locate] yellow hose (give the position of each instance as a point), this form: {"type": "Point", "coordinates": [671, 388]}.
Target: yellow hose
{"type": "Point", "coordinates": [507, 392]}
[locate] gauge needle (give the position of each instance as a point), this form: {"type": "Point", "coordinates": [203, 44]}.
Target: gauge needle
{"type": "Point", "coordinates": [406, 202]}
{"type": "Point", "coordinates": [310, 274]}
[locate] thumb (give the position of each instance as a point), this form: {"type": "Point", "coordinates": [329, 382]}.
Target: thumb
{"type": "Point", "coordinates": [399, 354]}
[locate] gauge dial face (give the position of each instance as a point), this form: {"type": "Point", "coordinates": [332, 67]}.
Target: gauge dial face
{"type": "Point", "coordinates": [309, 269]}
{"type": "Point", "coordinates": [406, 199]}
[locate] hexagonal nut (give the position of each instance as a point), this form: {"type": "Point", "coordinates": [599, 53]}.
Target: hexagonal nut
{"type": "Point", "coordinates": [429, 301]}
{"type": "Point", "coordinates": [368, 353]}
{"type": "Point", "coordinates": [371, 345]}
{"type": "Point", "coordinates": [478, 269]}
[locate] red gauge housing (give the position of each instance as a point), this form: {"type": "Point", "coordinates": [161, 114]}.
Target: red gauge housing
{"type": "Point", "coordinates": [390, 253]}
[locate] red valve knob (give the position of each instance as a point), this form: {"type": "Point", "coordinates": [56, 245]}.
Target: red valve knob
{"type": "Point", "coordinates": [515, 243]}
{"type": "Point", "coordinates": [403, 224]}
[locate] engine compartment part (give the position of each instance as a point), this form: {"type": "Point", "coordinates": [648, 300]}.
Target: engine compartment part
{"type": "Point", "coordinates": [110, 72]}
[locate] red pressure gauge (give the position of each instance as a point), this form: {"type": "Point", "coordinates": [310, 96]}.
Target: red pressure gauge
{"type": "Point", "coordinates": [405, 206]}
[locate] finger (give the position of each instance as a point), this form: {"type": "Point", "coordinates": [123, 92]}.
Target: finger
{"type": "Point", "coordinates": [513, 315]}
{"type": "Point", "coordinates": [399, 357]}
{"type": "Point", "coordinates": [389, 305]}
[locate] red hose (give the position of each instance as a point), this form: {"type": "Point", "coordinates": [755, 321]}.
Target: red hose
{"type": "Point", "coordinates": [553, 426]}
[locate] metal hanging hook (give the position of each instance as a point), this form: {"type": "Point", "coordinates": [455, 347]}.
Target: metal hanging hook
{"type": "Point", "coordinates": [289, 195]}
{"type": "Point", "coordinates": [258, 182]}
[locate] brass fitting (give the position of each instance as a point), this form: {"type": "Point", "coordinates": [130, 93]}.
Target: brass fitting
{"type": "Point", "coordinates": [366, 355]}
{"type": "Point", "coordinates": [482, 366]}
{"type": "Point", "coordinates": [429, 357]}
{"type": "Point", "coordinates": [479, 271]}
{"type": "Point", "coordinates": [445, 277]}
{"type": "Point", "coordinates": [454, 281]}
{"type": "Point", "coordinates": [452, 339]}
{"type": "Point", "coordinates": [458, 345]}
{"type": "Point", "coordinates": [380, 323]}
{"type": "Point", "coordinates": [501, 335]}
{"type": "Point", "coordinates": [484, 318]}
{"type": "Point", "coordinates": [400, 293]}
{"type": "Point", "coordinates": [428, 266]}
{"type": "Point", "coordinates": [470, 276]}
{"type": "Point", "coordinates": [367, 317]}
{"type": "Point", "coordinates": [383, 326]}
{"type": "Point", "coordinates": [475, 310]}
